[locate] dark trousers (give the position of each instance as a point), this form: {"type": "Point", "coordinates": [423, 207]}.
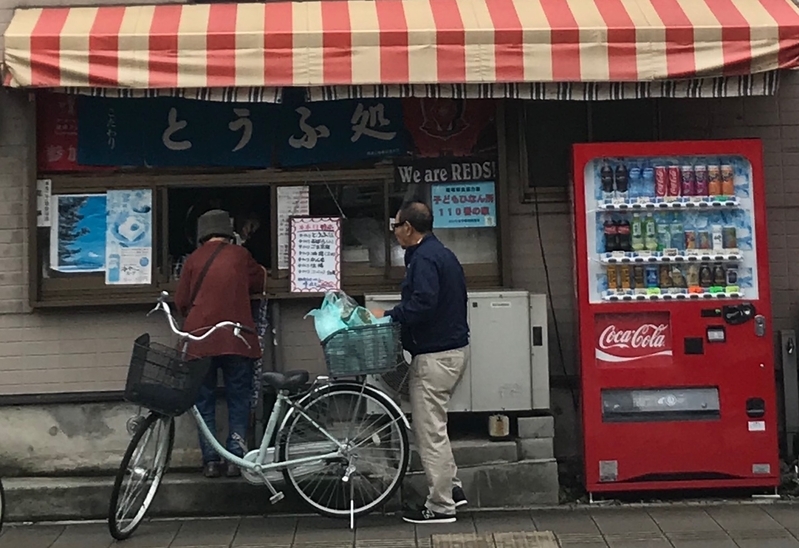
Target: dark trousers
{"type": "Point", "coordinates": [237, 377]}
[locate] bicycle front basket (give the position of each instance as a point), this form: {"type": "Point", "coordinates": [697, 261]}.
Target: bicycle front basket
{"type": "Point", "coordinates": [363, 350]}
{"type": "Point", "coordinates": [162, 379]}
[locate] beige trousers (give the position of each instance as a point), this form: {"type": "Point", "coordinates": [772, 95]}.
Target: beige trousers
{"type": "Point", "coordinates": [433, 377]}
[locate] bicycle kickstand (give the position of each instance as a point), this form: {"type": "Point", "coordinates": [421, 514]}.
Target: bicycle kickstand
{"type": "Point", "coordinates": [277, 496]}
{"type": "Point", "coordinates": [346, 479]}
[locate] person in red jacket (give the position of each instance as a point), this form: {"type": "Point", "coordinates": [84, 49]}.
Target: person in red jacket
{"type": "Point", "coordinates": [215, 285]}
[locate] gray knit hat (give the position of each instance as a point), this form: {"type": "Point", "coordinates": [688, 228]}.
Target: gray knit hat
{"type": "Point", "coordinates": [214, 223]}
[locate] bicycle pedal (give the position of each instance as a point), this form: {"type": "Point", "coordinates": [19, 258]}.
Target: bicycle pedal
{"type": "Point", "coordinates": [277, 497]}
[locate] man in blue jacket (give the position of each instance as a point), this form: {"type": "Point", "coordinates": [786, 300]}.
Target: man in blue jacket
{"type": "Point", "coordinates": [435, 332]}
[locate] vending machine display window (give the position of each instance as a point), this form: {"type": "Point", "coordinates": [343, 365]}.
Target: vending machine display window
{"type": "Point", "coordinates": [670, 228]}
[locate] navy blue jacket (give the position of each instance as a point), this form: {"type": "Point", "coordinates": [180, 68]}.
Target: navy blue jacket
{"type": "Point", "coordinates": [433, 307]}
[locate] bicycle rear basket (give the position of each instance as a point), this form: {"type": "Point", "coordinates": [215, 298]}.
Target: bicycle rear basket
{"type": "Point", "coordinates": [161, 379]}
{"type": "Point", "coordinates": [363, 350]}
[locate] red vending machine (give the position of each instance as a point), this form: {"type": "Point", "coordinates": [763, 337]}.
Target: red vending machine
{"type": "Point", "coordinates": [676, 346]}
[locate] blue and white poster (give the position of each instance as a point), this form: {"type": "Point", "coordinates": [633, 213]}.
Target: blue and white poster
{"type": "Point", "coordinates": [464, 205]}
{"type": "Point", "coordinates": [77, 233]}
{"type": "Point", "coordinates": [129, 242]}
{"type": "Point", "coordinates": [340, 131]}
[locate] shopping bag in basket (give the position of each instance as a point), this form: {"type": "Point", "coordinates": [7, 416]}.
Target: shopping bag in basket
{"type": "Point", "coordinates": [340, 311]}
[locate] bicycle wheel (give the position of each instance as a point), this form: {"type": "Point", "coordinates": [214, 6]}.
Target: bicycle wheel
{"type": "Point", "coordinates": [140, 474]}
{"type": "Point", "coordinates": [376, 450]}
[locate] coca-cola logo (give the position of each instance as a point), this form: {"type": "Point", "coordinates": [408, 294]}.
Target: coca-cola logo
{"type": "Point", "coordinates": [645, 336]}
{"type": "Point", "coordinates": [624, 338]}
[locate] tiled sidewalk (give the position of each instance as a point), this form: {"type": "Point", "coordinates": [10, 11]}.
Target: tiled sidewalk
{"type": "Point", "coordinates": [678, 526]}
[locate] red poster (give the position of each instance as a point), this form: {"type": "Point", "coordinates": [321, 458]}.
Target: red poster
{"type": "Point", "coordinates": [57, 133]}
{"type": "Point", "coordinates": [448, 127]}
{"type": "Point", "coordinates": [633, 338]}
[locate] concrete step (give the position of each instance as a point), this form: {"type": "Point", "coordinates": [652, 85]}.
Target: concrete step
{"type": "Point", "coordinates": [476, 452]}
{"type": "Point", "coordinates": [498, 485]}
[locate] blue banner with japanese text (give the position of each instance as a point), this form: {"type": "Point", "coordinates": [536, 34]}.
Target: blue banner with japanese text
{"type": "Point", "coordinates": [179, 132]}
{"type": "Point", "coordinates": [168, 131]}
{"type": "Point", "coordinates": [341, 131]}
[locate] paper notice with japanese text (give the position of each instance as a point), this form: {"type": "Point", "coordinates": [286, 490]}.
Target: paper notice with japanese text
{"type": "Point", "coordinates": [464, 205]}
{"type": "Point", "coordinates": [315, 254]}
{"type": "Point", "coordinates": [129, 247]}
{"type": "Point", "coordinates": [43, 194]}
{"type": "Point", "coordinates": [292, 201]}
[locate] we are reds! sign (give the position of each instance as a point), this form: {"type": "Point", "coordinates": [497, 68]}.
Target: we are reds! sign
{"type": "Point", "coordinates": [636, 338]}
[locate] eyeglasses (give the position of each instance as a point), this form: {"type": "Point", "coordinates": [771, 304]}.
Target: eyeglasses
{"type": "Point", "coordinates": [393, 225]}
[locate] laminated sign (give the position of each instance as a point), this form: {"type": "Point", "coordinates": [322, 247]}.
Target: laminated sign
{"type": "Point", "coordinates": [315, 254]}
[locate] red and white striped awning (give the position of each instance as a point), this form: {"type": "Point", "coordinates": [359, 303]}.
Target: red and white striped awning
{"type": "Point", "coordinates": [397, 42]}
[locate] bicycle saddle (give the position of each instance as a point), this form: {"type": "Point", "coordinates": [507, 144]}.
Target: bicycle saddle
{"type": "Point", "coordinates": [291, 380]}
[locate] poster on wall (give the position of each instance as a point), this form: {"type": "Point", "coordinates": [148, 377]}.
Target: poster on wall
{"type": "Point", "coordinates": [77, 233]}
{"type": "Point", "coordinates": [315, 254]}
{"type": "Point", "coordinates": [129, 248]}
{"type": "Point", "coordinates": [56, 132]}
{"type": "Point", "coordinates": [465, 205]}
{"type": "Point", "coordinates": [292, 201]}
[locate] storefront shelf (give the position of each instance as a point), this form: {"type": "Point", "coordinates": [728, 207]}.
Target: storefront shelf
{"type": "Point", "coordinates": [615, 297]}
{"type": "Point", "coordinates": [677, 204]}
{"type": "Point", "coordinates": [727, 256]}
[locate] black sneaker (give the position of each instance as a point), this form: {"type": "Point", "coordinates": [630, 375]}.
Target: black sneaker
{"type": "Point", "coordinates": [459, 497]}
{"type": "Point", "coordinates": [424, 515]}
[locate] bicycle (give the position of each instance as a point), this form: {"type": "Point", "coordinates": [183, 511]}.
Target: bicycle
{"type": "Point", "coordinates": [317, 438]}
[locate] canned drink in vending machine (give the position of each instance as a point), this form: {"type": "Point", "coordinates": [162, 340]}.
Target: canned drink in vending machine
{"type": "Point", "coordinates": [687, 180]}
{"type": "Point", "coordinates": [665, 276]}
{"type": "Point", "coordinates": [652, 276]}
{"type": "Point", "coordinates": [624, 275]}
{"type": "Point", "coordinates": [664, 237]}
{"type": "Point", "coordinates": [690, 240]}
{"type": "Point", "coordinates": [703, 240]}
{"type": "Point", "coordinates": [661, 181]}
{"type": "Point", "coordinates": [677, 278]}
{"type": "Point", "coordinates": [714, 180]}
{"type": "Point", "coordinates": [727, 180]}
{"type": "Point", "coordinates": [731, 276]}
{"type": "Point", "coordinates": [674, 182]}
{"type": "Point", "coordinates": [638, 276]}
{"type": "Point", "coordinates": [613, 278]}
{"type": "Point", "coordinates": [701, 180]}
{"type": "Point", "coordinates": [729, 236]}
{"type": "Point", "coordinates": [677, 235]}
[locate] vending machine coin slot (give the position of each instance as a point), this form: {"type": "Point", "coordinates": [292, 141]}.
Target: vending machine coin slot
{"type": "Point", "coordinates": [755, 408]}
{"type": "Point", "coordinates": [694, 345]}
{"type": "Point", "coordinates": [716, 334]}
{"type": "Point", "coordinates": [760, 325]}
{"type": "Point", "coordinates": [711, 313]}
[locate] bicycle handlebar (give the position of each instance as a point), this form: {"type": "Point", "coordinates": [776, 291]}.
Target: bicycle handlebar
{"type": "Point", "coordinates": [163, 306]}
